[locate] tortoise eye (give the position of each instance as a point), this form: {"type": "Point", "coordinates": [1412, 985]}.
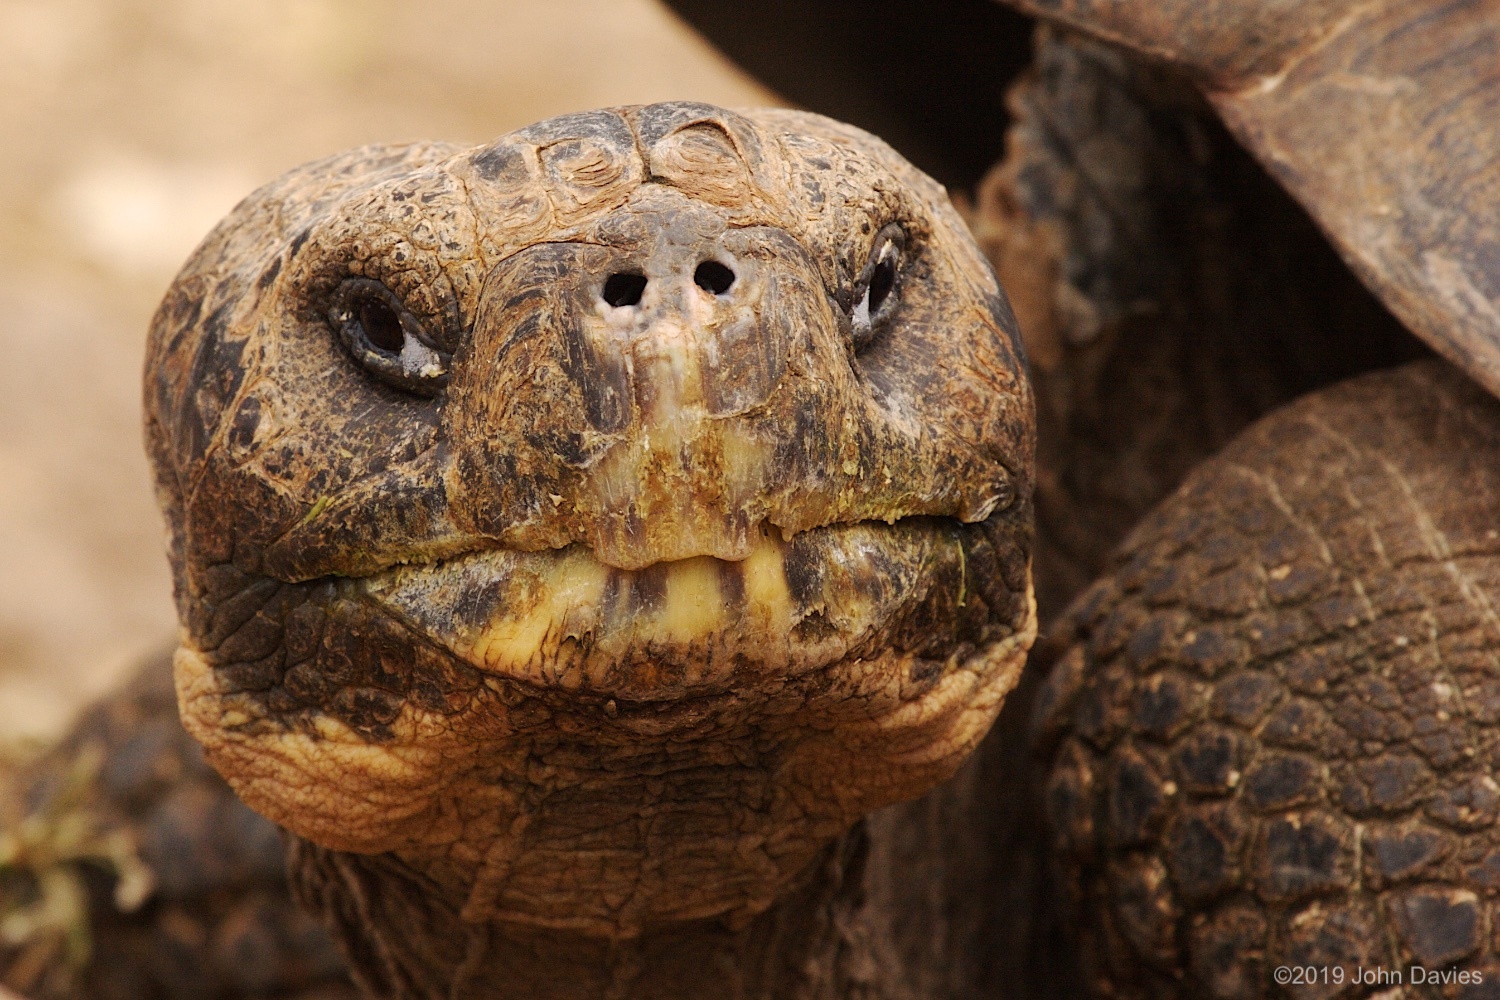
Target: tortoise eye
{"type": "Point", "coordinates": [380, 324]}
{"type": "Point", "coordinates": [385, 339]}
{"type": "Point", "coordinates": [875, 292]}
{"type": "Point", "coordinates": [882, 282]}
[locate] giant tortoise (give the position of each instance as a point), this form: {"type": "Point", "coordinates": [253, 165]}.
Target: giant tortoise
{"type": "Point", "coordinates": [603, 551]}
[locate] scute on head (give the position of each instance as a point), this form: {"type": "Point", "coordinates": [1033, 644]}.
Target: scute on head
{"type": "Point", "coordinates": [688, 559]}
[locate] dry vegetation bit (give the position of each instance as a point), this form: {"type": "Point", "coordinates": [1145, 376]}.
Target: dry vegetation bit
{"type": "Point", "coordinates": [56, 849]}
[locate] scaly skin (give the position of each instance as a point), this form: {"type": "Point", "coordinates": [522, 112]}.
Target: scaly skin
{"type": "Point", "coordinates": [1272, 742]}
{"type": "Point", "coordinates": [581, 626]}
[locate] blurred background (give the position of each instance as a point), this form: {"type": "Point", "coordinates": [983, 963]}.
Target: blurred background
{"type": "Point", "coordinates": [127, 128]}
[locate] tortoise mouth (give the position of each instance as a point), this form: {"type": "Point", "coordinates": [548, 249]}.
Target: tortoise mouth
{"type": "Point", "coordinates": [563, 618]}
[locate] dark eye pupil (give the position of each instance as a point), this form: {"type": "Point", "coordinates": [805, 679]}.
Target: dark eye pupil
{"type": "Point", "coordinates": [881, 283]}
{"type": "Point", "coordinates": [381, 325]}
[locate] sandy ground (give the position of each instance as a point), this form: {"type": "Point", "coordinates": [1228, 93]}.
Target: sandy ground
{"type": "Point", "coordinates": [127, 127]}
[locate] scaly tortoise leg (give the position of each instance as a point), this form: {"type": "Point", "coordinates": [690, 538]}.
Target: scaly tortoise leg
{"type": "Point", "coordinates": [1273, 739]}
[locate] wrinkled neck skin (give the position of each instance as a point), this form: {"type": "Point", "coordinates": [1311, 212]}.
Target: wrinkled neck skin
{"type": "Point", "coordinates": [895, 908]}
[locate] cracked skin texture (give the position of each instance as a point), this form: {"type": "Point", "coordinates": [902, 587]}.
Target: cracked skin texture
{"type": "Point", "coordinates": [1273, 739]}
{"type": "Point", "coordinates": [609, 617]}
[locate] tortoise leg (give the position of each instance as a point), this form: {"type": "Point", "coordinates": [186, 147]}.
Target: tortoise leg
{"type": "Point", "coordinates": [1170, 294]}
{"type": "Point", "coordinates": [1274, 736]}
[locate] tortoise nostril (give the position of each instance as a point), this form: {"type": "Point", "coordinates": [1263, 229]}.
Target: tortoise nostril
{"type": "Point", "coordinates": [624, 289]}
{"type": "Point", "coordinates": [713, 277]}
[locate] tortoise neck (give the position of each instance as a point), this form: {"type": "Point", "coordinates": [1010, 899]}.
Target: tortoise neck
{"type": "Point", "coordinates": [404, 940]}
{"type": "Point", "coordinates": [915, 900]}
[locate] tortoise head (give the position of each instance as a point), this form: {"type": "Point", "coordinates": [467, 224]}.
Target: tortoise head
{"type": "Point", "coordinates": [601, 520]}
